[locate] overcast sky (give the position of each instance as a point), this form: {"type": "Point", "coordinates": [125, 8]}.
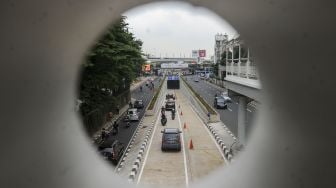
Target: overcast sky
{"type": "Point", "coordinates": [170, 29]}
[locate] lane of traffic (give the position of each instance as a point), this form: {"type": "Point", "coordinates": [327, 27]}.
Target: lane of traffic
{"type": "Point", "coordinates": [125, 132]}
{"type": "Point", "coordinates": [229, 116]}
{"type": "Point", "coordinates": [176, 169]}
{"type": "Point", "coordinates": [207, 92]}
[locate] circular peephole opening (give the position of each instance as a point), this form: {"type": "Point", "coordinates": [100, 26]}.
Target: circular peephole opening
{"type": "Point", "coordinates": [169, 94]}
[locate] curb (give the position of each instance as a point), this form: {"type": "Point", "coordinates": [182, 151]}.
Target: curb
{"type": "Point", "coordinates": [128, 148]}
{"type": "Point", "coordinates": [227, 153]}
{"type": "Point", "coordinates": [136, 164]}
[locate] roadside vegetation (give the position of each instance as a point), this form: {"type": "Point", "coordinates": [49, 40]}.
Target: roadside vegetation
{"type": "Point", "coordinates": [112, 64]}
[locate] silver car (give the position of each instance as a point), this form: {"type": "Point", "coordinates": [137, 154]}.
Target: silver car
{"type": "Point", "coordinates": [132, 114]}
{"type": "Point", "coordinates": [225, 96]}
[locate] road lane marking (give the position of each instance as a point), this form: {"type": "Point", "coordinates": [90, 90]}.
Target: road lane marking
{"type": "Point", "coordinates": [149, 146]}
{"type": "Point", "coordinates": [184, 152]}
{"type": "Point", "coordinates": [249, 110]}
{"type": "Point", "coordinates": [229, 109]}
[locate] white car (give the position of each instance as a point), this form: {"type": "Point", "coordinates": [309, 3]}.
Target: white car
{"type": "Point", "coordinates": [225, 96]}
{"type": "Point", "coordinates": [132, 114]}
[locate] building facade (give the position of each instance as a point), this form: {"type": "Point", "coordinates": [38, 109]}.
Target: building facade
{"type": "Point", "coordinates": [220, 41]}
{"type": "Point", "coordinates": [235, 60]}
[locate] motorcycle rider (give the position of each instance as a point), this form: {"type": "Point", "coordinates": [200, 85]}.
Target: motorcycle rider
{"type": "Point", "coordinates": [163, 119]}
{"type": "Point", "coordinates": [128, 124]}
{"type": "Point", "coordinates": [116, 127]}
{"type": "Point", "coordinates": [163, 110]}
{"type": "Point", "coordinates": [173, 113]}
{"type": "Point", "coordinates": [103, 134]}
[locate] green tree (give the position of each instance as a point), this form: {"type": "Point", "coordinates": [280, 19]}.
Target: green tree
{"type": "Point", "coordinates": [111, 66]}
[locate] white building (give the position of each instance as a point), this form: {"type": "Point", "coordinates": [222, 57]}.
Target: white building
{"type": "Point", "coordinates": [220, 41]}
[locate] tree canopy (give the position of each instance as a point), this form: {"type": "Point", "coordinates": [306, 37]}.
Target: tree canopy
{"type": "Point", "coordinates": [111, 66]}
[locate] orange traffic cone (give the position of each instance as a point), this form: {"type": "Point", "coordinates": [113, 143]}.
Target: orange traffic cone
{"type": "Point", "coordinates": [185, 125]}
{"type": "Point", "coordinates": [191, 146]}
{"type": "Point", "coordinates": [181, 113]}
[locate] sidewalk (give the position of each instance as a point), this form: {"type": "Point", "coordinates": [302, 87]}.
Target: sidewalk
{"type": "Point", "coordinates": [108, 125]}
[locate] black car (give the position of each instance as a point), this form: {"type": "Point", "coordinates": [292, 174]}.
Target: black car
{"type": "Point", "coordinates": [170, 96]}
{"type": "Point", "coordinates": [219, 102]}
{"type": "Point", "coordinates": [138, 104]}
{"type": "Point", "coordinates": [112, 150]}
{"type": "Point", "coordinates": [171, 139]}
{"type": "Point", "coordinates": [170, 104]}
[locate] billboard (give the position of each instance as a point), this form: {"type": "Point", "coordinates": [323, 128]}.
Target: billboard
{"type": "Point", "coordinates": [146, 68]}
{"type": "Point", "coordinates": [174, 65]}
{"type": "Point", "coordinates": [201, 53]}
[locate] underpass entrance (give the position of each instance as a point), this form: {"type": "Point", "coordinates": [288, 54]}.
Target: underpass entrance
{"type": "Point", "coordinates": [173, 82]}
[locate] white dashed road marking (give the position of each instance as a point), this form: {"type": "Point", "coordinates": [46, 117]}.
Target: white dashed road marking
{"type": "Point", "coordinates": [229, 109]}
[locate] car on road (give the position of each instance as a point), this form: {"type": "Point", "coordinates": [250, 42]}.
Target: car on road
{"type": "Point", "coordinates": [170, 96]}
{"type": "Point", "coordinates": [170, 104]}
{"type": "Point", "coordinates": [227, 99]}
{"type": "Point", "coordinates": [111, 150]}
{"type": "Point", "coordinates": [171, 139]}
{"type": "Point", "coordinates": [219, 102]}
{"type": "Point", "coordinates": [225, 96]}
{"type": "Point", "coordinates": [138, 104]}
{"type": "Point", "coordinates": [133, 114]}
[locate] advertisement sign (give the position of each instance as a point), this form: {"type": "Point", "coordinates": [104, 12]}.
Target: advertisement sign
{"type": "Point", "coordinates": [194, 53]}
{"type": "Point", "coordinates": [201, 53]}
{"type": "Point", "coordinates": [174, 66]}
{"type": "Point", "coordinates": [147, 68]}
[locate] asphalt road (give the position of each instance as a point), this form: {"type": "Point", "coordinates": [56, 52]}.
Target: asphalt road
{"type": "Point", "coordinates": [125, 134]}
{"type": "Point", "coordinates": [228, 116]}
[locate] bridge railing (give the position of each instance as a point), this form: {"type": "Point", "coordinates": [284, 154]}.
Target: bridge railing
{"type": "Point", "coordinates": [245, 69]}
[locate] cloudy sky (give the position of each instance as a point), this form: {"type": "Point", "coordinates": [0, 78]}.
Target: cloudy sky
{"type": "Point", "coordinates": [174, 29]}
